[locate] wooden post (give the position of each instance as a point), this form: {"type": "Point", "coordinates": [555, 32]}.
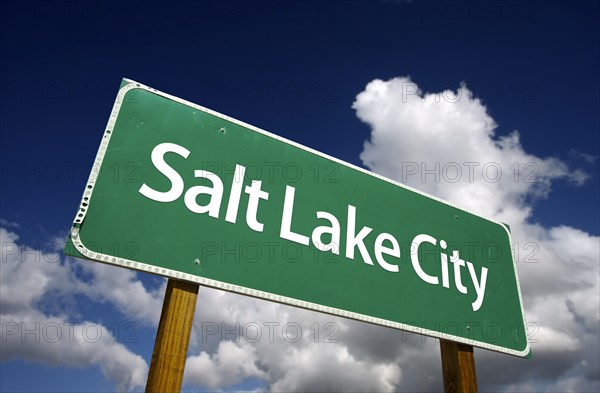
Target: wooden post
{"type": "Point", "coordinates": [173, 337]}
{"type": "Point", "coordinates": [458, 367]}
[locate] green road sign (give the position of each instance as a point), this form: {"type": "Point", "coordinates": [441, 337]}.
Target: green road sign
{"type": "Point", "coordinates": [184, 192]}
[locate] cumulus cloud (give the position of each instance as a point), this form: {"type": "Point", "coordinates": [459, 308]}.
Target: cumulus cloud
{"type": "Point", "coordinates": [586, 157]}
{"type": "Point", "coordinates": [232, 362]}
{"type": "Point", "coordinates": [332, 368]}
{"type": "Point", "coordinates": [8, 224]}
{"type": "Point", "coordinates": [446, 144]}
{"type": "Point", "coordinates": [37, 289]}
{"type": "Point", "coordinates": [123, 289]}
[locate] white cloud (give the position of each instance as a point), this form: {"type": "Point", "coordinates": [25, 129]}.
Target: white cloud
{"type": "Point", "coordinates": [8, 224]}
{"type": "Point", "coordinates": [231, 363]}
{"type": "Point", "coordinates": [36, 289]}
{"type": "Point", "coordinates": [317, 367]}
{"type": "Point", "coordinates": [445, 144]}
{"type": "Point", "coordinates": [54, 341]}
{"type": "Point", "coordinates": [586, 157]}
{"type": "Point", "coordinates": [124, 290]}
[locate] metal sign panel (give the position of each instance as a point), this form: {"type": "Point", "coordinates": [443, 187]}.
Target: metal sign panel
{"type": "Point", "coordinates": [184, 192]}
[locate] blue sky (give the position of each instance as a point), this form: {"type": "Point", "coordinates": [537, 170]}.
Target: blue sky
{"type": "Point", "coordinates": [295, 69]}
